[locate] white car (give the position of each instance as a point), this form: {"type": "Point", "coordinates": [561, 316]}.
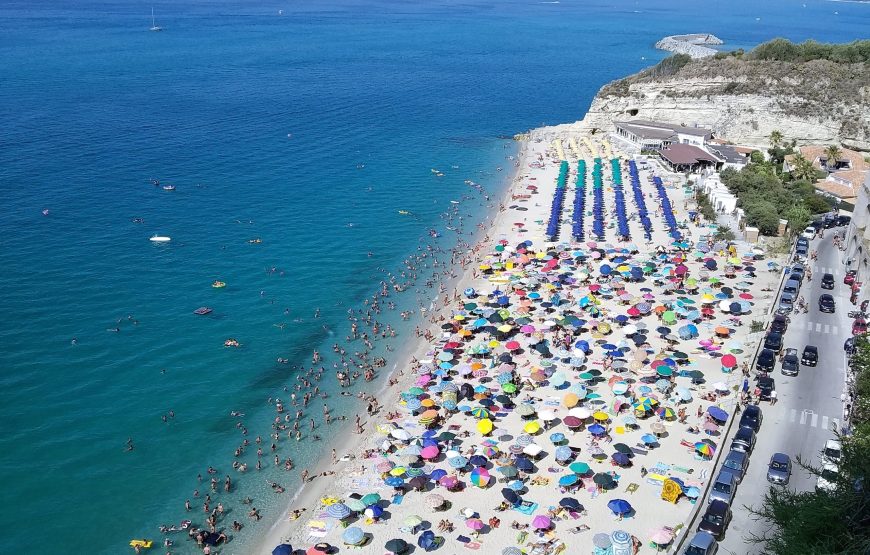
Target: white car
{"type": "Point", "coordinates": [809, 233]}
{"type": "Point", "coordinates": [828, 479]}
{"type": "Point", "coordinates": [833, 451]}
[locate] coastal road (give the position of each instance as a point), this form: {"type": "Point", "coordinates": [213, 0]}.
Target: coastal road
{"type": "Point", "coordinates": [808, 406]}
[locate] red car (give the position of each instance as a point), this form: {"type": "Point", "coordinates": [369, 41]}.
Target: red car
{"type": "Point", "coordinates": [849, 278]}
{"type": "Point", "coordinates": [859, 326]}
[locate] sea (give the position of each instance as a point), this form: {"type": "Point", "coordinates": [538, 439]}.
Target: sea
{"type": "Point", "coordinates": [303, 139]}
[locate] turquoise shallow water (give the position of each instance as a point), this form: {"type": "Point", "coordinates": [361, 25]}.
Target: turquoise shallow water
{"type": "Point", "coordinates": [93, 105]}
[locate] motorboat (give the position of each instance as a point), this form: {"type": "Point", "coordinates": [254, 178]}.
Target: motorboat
{"type": "Point", "coordinates": [169, 187]}
{"type": "Point", "coordinates": [203, 310]}
{"type": "Point", "coordinates": [160, 239]}
{"type": "Point", "coordinates": [218, 284]}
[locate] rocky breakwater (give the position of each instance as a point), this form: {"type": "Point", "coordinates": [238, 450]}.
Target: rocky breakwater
{"type": "Point", "coordinates": [693, 45]}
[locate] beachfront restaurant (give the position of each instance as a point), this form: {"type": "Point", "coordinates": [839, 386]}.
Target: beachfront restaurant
{"type": "Point", "coordinates": [653, 135]}
{"type": "Point", "coordinates": [688, 159]}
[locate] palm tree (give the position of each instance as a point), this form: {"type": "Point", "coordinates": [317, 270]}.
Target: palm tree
{"type": "Point", "coordinates": [801, 168]}
{"type": "Point", "coordinates": [833, 154]}
{"type": "Point", "coordinates": [775, 138]}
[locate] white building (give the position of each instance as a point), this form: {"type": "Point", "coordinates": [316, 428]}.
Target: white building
{"type": "Point", "coordinates": [857, 255]}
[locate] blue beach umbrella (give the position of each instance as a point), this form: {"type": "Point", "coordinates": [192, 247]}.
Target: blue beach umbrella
{"type": "Point", "coordinates": [437, 474]}
{"type": "Point", "coordinates": [353, 536]}
{"type": "Point", "coordinates": [568, 480]}
{"type": "Point", "coordinates": [283, 549]}
{"type": "Point", "coordinates": [597, 429]}
{"type": "Point", "coordinates": [457, 462]}
{"type": "Point", "coordinates": [338, 510]}
{"type": "Point", "coordinates": [392, 481]}
{"type": "Point", "coordinates": [619, 506]}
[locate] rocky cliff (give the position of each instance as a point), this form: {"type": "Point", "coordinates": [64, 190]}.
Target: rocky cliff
{"type": "Point", "coordinates": [744, 100]}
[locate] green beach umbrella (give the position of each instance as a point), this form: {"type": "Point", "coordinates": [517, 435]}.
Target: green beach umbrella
{"type": "Point", "coordinates": [579, 467]}
{"type": "Point", "coordinates": [370, 499]}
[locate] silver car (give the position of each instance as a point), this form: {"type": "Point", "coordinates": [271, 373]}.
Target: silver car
{"type": "Point", "coordinates": [736, 462]}
{"type": "Point", "coordinates": [724, 487]}
{"type": "Point", "coordinates": [779, 469]}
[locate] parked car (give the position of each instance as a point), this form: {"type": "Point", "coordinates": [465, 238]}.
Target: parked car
{"type": "Point", "coordinates": [826, 303]}
{"type": "Point", "coordinates": [792, 286]}
{"type": "Point", "coordinates": [849, 345]}
{"type": "Point", "coordinates": [724, 487]}
{"type": "Point", "coordinates": [809, 233]}
{"type": "Point", "coordinates": [779, 323]}
{"type": "Point", "coordinates": [843, 220]}
{"type": "Point", "coordinates": [702, 543]}
{"type": "Point", "coordinates": [744, 441]}
{"type": "Point", "coordinates": [779, 469]}
{"type": "Point", "coordinates": [828, 281]}
{"type": "Point", "coordinates": [833, 451]}
{"type": "Point", "coordinates": [766, 385]}
{"type": "Point", "coordinates": [766, 360]}
{"type": "Point", "coordinates": [849, 278]}
{"type": "Point", "coordinates": [790, 363]}
{"type": "Point", "coordinates": [716, 519]}
{"type": "Point", "coordinates": [810, 356]}
{"type": "Point", "coordinates": [828, 479]}
{"type": "Point", "coordinates": [801, 253]}
{"type": "Point", "coordinates": [786, 303]}
{"type": "Point", "coordinates": [751, 417]}
{"type": "Point", "coordinates": [737, 462]}
{"type": "Point", "coordinates": [859, 326]}
{"type": "Point", "coordinates": [773, 341]}
{"type": "Point", "coordinates": [799, 269]}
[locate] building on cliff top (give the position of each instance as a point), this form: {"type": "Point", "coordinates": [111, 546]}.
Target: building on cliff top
{"type": "Point", "coordinates": [845, 175]}
{"type": "Point", "coordinates": [653, 135]}
{"type": "Point", "coordinates": [682, 158]}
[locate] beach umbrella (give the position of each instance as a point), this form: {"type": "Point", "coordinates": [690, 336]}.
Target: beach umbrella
{"type": "Point", "coordinates": [434, 501]}
{"type": "Point", "coordinates": [557, 437]}
{"type": "Point", "coordinates": [563, 453]}
{"type": "Point", "coordinates": [597, 430]}
{"type": "Point", "coordinates": [511, 551]}
{"type": "Point", "coordinates": [717, 413]}
{"type": "Point", "coordinates": [568, 480]}
{"type": "Point", "coordinates": [370, 499]}
{"type": "Point", "coordinates": [621, 459]}
{"type": "Point", "coordinates": [517, 485]}
{"type": "Point", "coordinates": [579, 467]}
{"type": "Point", "coordinates": [524, 464]}
{"type": "Point", "coordinates": [457, 462]}
{"type": "Point", "coordinates": [396, 545]}
{"type": "Point", "coordinates": [474, 524]}
{"type": "Point", "coordinates": [427, 540]}
{"type": "Point", "coordinates": [603, 479]}
{"type": "Point", "coordinates": [601, 541]}
{"type": "Point", "coordinates": [480, 477]}
{"type": "Point", "coordinates": [571, 504]}
{"type": "Point", "coordinates": [662, 536]}
{"type": "Point", "coordinates": [704, 449]}
{"type": "Point", "coordinates": [356, 505]}
{"type": "Point", "coordinates": [353, 536]}
{"type": "Point", "coordinates": [394, 481]}
{"type": "Point", "coordinates": [510, 496]}
{"type": "Point", "coordinates": [601, 416]}
{"type": "Point", "coordinates": [484, 426]}
{"type": "Point", "coordinates": [541, 522]}
{"type": "Point", "coordinates": [413, 521]}
{"type": "Point", "coordinates": [619, 506]}
{"type": "Point", "coordinates": [400, 434]}
{"type": "Point", "coordinates": [449, 482]}
{"type": "Point", "coordinates": [283, 549]}
{"type": "Point", "coordinates": [338, 510]}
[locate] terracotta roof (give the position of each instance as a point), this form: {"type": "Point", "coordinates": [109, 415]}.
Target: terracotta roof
{"type": "Point", "coordinates": [837, 189]}
{"type": "Point", "coordinates": [816, 153]}
{"type": "Point", "coordinates": [687, 154]}
{"type": "Point", "coordinates": [855, 177]}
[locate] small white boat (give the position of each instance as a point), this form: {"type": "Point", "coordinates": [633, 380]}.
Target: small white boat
{"type": "Point", "coordinates": [154, 26]}
{"type": "Point", "coordinates": [161, 239]}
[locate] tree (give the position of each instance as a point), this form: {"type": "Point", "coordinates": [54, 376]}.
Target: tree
{"type": "Point", "coordinates": [763, 215]}
{"type": "Point", "coordinates": [833, 153]}
{"type": "Point", "coordinates": [775, 138]}
{"type": "Point", "coordinates": [798, 217]}
{"type": "Point", "coordinates": [801, 168]}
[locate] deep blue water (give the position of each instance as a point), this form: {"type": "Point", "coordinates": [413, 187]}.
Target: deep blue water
{"type": "Point", "coordinates": [262, 118]}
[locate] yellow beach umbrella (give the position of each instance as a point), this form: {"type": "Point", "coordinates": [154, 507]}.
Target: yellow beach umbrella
{"type": "Point", "coordinates": [601, 416]}
{"type": "Point", "coordinates": [427, 403]}
{"type": "Point", "coordinates": [532, 427]}
{"type": "Point", "coordinates": [493, 344]}
{"type": "Point", "coordinates": [459, 317]}
{"type": "Point", "coordinates": [484, 426]}
{"type": "Point", "coordinates": [570, 400]}
{"type": "Point", "coordinates": [397, 471]}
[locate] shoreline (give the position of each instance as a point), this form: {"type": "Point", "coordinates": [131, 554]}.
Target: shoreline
{"type": "Point", "coordinates": [311, 492]}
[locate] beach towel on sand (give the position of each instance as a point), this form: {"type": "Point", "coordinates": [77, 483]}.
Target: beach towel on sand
{"type": "Point", "coordinates": [526, 507]}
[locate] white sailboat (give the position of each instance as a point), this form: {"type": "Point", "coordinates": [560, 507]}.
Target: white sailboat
{"type": "Point", "coordinates": [154, 26]}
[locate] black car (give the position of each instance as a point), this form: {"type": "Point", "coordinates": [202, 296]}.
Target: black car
{"type": "Point", "coordinates": [826, 303]}
{"type": "Point", "coordinates": [810, 357]}
{"type": "Point", "coordinates": [802, 243]}
{"type": "Point", "coordinates": [766, 386]}
{"type": "Point", "coordinates": [773, 341]}
{"type": "Point", "coordinates": [849, 345]}
{"type": "Point", "coordinates": [828, 281]}
{"type": "Point", "coordinates": [843, 220]}
{"type": "Point", "coordinates": [779, 323]}
{"type": "Point", "coordinates": [766, 360]}
{"type": "Point", "coordinates": [790, 362]}
{"type": "Point", "coordinates": [751, 417]}
{"type": "Point", "coordinates": [744, 441]}
{"type": "Point", "coordinates": [716, 519]}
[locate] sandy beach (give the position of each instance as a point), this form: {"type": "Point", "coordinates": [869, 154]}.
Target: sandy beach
{"type": "Point", "coordinates": [584, 421]}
